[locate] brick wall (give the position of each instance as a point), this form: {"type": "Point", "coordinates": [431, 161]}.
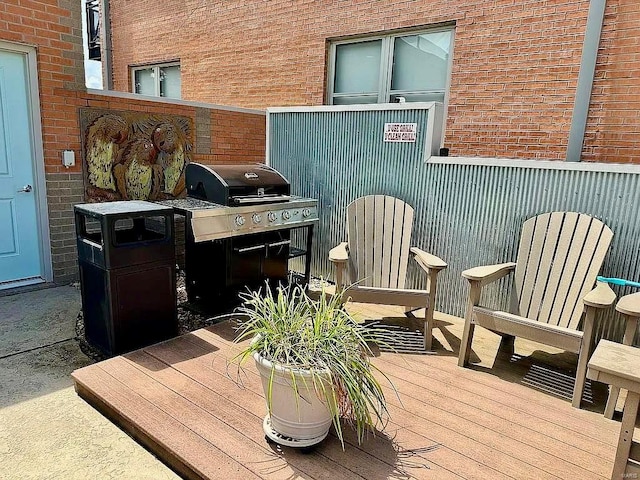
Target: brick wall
{"type": "Point", "coordinates": [63, 191]}
{"type": "Point", "coordinates": [54, 28]}
{"type": "Point", "coordinates": [513, 79]}
{"type": "Point", "coordinates": [514, 69]}
{"type": "Point", "coordinates": [514, 75]}
{"type": "Point", "coordinates": [221, 136]}
{"type": "Point", "coordinates": [613, 134]}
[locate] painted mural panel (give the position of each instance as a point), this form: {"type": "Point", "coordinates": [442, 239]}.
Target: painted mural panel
{"type": "Point", "coordinates": [134, 155]}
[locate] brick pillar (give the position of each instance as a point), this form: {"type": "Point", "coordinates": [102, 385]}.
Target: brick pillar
{"type": "Point", "coordinates": [64, 190]}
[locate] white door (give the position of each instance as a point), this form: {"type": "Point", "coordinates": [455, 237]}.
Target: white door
{"type": "Point", "coordinates": [20, 242]}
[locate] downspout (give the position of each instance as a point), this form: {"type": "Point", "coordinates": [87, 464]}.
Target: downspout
{"type": "Point", "coordinates": [585, 80]}
{"type": "Point", "coordinates": [107, 68]}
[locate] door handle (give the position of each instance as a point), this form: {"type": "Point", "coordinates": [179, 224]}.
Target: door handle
{"type": "Point", "coordinates": [279, 244]}
{"type": "Point", "coordinates": [250, 249]}
{"type": "Point", "coordinates": [25, 189]}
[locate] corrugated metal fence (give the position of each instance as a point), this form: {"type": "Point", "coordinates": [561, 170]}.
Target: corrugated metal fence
{"type": "Point", "coordinates": [468, 215]}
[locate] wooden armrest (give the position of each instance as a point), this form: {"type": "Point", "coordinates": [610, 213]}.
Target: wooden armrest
{"type": "Point", "coordinates": [629, 305]}
{"type": "Point", "coordinates": [339, 254]}
{"type": "Point", "coordinates": [488, 273]}
{"type": "Point", "coordinates": [600, 297]}
{"type": "Point", "coordinates": [428, 261]}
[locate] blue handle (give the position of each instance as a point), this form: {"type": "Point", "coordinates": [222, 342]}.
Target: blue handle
{"type": "Point", "coordinates": [619, 281]}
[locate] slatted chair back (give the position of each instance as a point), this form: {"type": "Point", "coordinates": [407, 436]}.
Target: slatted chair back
{"type": "Point", "coordinates": [379, 235]}
{"type": "Point", "coordinates": [559, 257]}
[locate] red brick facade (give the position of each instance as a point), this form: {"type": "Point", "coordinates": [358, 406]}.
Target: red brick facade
{"type": "Point", "coordinates": [53, 27]}
{"type": "Point", "coordinates": [613, 134]}
{"type": "Point", "coordinates": [235, 136]}
{"type": "Point", "coordinates": [514, 71]}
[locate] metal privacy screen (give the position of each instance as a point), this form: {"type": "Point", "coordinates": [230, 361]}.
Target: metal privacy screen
{"type": "Point", "coordinates": [467, 213]}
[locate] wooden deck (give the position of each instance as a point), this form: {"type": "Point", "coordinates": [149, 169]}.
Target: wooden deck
{"type": "Point", "coordinates": [180, 399]}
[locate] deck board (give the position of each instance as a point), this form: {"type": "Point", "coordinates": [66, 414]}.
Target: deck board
{"type": "Point", "coordinates": [211, 371]}
{"type": "Point", "coordinates": [490, 429]}
{"type": "Point", "coordinates": [501, 413]}
{"type": "Point", "coordinates": [183, 400]}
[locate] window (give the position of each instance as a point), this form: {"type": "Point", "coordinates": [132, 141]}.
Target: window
{"type": "Point", "coordinates": [413, 65]}
{"type": "Point", "coordinates": [157, 80]}
{"type": "Point", "coordinates": [93, 28]}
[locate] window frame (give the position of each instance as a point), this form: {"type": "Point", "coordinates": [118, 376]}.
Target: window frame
{"type": "Point", "coordinates": [93, 27]}
{"type": "Point", "coordinates": [156, 71]}
{"type": "Point", "coordinates": [386, 63]}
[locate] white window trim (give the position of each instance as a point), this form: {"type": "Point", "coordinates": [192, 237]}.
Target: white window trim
{"type": "Point", "coordinates": [386, 56]}
{"type": "Point", "coordinates": [156, 70]}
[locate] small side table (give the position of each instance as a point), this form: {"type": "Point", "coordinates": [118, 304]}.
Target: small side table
{"type": "Point", "coordinates": [619, 366]}
{"type": "Point", "coordinates": [629, 306]}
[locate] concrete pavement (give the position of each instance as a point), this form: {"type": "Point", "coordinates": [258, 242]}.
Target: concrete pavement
{"type": "Point", "coordinates": [46, 430]}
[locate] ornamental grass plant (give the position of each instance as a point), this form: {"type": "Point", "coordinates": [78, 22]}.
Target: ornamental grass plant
{"type": "Point", "coordinates": [291, 330]}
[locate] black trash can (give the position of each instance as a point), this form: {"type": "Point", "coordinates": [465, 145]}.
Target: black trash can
{"type": "Point", "coordinates": [126, 256]}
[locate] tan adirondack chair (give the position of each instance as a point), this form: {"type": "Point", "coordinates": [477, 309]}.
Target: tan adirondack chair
{"type": "Point", "coordinates": [559, 257]}
{"type": "Point", "coordinates": [629, 306]}
{"type": "Point", "coordinates": [376, 256]}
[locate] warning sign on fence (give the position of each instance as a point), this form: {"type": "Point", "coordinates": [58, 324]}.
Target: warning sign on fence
{"type": "Point", "coordinates": [400, 132]}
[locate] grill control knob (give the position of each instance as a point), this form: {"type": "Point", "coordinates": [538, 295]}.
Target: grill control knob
{"type": "Point", "coordinates": [256, 217]}
{"type": "Point", "coordinates": [271, 216]}
{"type": "Point", "coordinates": [286, 214]}
{"type": "Point", "coordinates": [239, 220]}
{"type": "Point", "coordinates": [306, 212]}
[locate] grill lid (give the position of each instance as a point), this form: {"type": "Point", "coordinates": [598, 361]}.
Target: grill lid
{"type": "Point", "coordinates": [236, 184]}
{"type": "Point", "coordinates": [248, 175]}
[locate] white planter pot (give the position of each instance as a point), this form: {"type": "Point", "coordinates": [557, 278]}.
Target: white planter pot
{"type": "Point", "coordinates": [298, 420]}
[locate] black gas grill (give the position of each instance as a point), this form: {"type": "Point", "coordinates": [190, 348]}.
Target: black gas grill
{"type": "Point", "coordinates": [238, 230]}
{"type": "Point", "coordinates": [235, 185]}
